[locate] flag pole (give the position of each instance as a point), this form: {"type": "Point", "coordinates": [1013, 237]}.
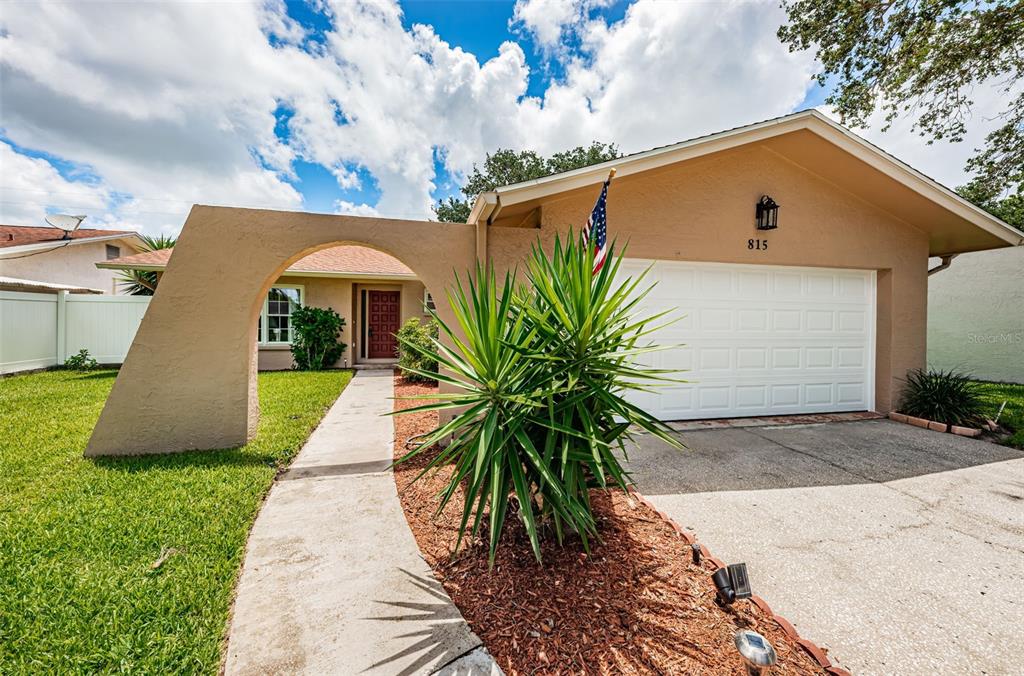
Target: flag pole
{"type": "Point", "coordinates": [611, 174]}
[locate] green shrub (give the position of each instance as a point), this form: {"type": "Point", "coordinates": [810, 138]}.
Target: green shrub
{"type": "Point", "coordinates": [943, 396]}
{"type": "Point", "coordinates": [80, 362]}
{"type": "Point", "coordinates": [540, 372]}
{"type": "Point", "coordinates": [316, 339]}
{"type": "Point", "coordinates": [415, 362]}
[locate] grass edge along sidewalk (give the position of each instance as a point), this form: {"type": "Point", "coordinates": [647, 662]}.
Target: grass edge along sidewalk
{"type": "Point", "coordinates": [129, 564]}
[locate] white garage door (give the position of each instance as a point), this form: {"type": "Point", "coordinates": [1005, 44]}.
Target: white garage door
{"type": "Point", "coordinates": [761, 340]}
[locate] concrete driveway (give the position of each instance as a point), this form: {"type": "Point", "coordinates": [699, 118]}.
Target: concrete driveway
{"type": "Point", "coordinates": [899, 549]}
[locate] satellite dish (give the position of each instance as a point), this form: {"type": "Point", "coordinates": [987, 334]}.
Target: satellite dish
{"type": "Point", "coordinates": [66, 223]}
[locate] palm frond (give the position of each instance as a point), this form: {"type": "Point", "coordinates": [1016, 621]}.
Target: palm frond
{"type": "Point", "coordinates": [143, 282]}
{"type": "Point", "coordinates": [543, 370]}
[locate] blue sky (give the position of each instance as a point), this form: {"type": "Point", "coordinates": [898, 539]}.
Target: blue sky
{"type": "Point", "coordinates": [478, 27]}
{"type": "Point", "coordinates": [369, 106]}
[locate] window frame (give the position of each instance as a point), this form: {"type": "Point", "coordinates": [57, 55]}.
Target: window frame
{"type": "Point", "coordinates": [264, 328]}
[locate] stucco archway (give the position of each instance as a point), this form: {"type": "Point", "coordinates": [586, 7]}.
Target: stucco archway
{"type": "Point", "coordinates": [189, 380]}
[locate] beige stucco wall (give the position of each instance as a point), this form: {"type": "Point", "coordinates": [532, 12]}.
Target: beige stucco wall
{"type": "Point", "coordinates": [192, 384]}
{"type": "Point", "coordinates": [74, 264]}
{"type": "Point", "coordinates": [976, 315]}
{"type": "Point", "coordinates": [704, 211]}
{"type": "Point", "coordinates": [341, 294]}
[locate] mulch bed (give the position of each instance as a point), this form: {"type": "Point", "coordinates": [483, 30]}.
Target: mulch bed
{"type": "Point", "coordinates": [635, 605]}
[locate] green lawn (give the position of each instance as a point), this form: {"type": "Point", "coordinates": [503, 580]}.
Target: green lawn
{"type": "Point", "coordinates": [994, 395]}
{"type": "Point", "coordinates": [78, 537]}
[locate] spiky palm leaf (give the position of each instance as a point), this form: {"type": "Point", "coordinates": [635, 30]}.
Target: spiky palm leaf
{"type": "Point", "coordinates": [541, 372]}
{"type": "Point", "coordinates": [143, 282]}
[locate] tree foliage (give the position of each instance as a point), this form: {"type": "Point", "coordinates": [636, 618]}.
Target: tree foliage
{"type": "Point", "coordinates": [143, 282]}
{"type": "Point", "coordinates": [925, 58]}
{"type": "Point", "coordinates": [540, 373]}
{"type": "Point", "coordinates": [1009, 209]}
{"type": "Point", "coordinates": [505, 167]}
{"type": "Point", "coordinates": [316, 339]}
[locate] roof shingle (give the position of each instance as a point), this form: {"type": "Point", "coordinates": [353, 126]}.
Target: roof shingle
{"type": "Point", "coordinates": [352, 260]}
{"type": "Point", "coordinates": [19, 235]}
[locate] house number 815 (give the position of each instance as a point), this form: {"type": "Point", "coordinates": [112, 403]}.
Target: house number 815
{"type": "Point", "coordinates": [758, 244]}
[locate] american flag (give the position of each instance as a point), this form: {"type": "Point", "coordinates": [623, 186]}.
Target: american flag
{"type": "Point", "coordinates": [597, 229]}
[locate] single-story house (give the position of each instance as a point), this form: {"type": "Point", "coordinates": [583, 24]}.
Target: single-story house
{"type": "Point", "coordinates": [375, 293]}
{"type": "Point", "coordinates": [795, 252]}
{"type": "Point", "coordinates": [976, 316]}
{"type": "Point", "coordinates": [44, 259]}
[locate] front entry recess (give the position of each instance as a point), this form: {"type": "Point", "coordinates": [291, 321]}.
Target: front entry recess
{"type": "Point", "coordinates": [382, 324]}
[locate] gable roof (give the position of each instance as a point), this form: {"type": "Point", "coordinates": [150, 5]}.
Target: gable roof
{"type": "Point", "coordinates": [338, 261]}
{"type": "Point", "coordinates": [811, 140]}
{"type": "Point", "coordinates": [19, 238]}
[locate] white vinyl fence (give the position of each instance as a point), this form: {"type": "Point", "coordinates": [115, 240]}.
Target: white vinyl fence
{"type": "Point", "coordinates": [38, 330]}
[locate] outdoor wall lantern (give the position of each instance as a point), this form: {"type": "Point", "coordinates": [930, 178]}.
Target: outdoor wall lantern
{"type": "Point", "coordinates": [767, 213]}
{"type": "Point", "coordinates": [731, 583]}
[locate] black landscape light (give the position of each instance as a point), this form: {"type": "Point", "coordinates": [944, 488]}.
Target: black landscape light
{"type": "Point", "coordinates": [695, 551]}
{"type": "Point", "coordinates": [731, 583]}
{"type": "Point", "coordinates": [757, 652]}
{"type": "Point", "coordinates": [767, 213]}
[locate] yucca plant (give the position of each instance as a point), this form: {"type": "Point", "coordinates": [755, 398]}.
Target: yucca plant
{"type": "Point", "coordinates": [943, 396]}
{"type": "Point", "coordinates": [541, 372]}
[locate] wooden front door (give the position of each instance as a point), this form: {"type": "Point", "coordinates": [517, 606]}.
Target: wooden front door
{"type": "Point", "coordinates": [382, 324]}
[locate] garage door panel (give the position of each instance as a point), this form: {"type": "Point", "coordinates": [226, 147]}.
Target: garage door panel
{"type": "Point", "coordinates": [786, 357]}
{"type": "Point", "coordinates": [851, 357]}
{"type": "Point", "coordinates": [852, 321]}
{"type": "Point", "coordinates": [760, 340]}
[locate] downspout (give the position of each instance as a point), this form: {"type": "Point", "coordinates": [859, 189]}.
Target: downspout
{"type": "Point", "coordinates": [946, 262]}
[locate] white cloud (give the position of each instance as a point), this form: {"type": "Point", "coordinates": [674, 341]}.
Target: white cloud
{"type": "Point", "coordinates": [671, 71]}
{"type": "Point", "coordinates": [28, 181]}
{"type": "Point", "coordinates": [402, 95]}
{"type": "Point", "coordinates": [174, 103]}
{"type": "Point", "coordinates": [548, 21]}
{"type": "Point", "coordinates": [168, 103]}
{"type": "Point", "coordinates": [346, 208]}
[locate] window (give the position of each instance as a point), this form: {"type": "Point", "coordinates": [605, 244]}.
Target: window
{"type": "Point", "coordinates": [275, 321]}
{"type": "Point", "coordinates": [428, 301]}
{"type": "Point", "coordinates": [113, 252]}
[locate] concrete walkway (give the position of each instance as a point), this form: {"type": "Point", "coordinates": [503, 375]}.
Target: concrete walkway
{"type": "Point", "coordinates": [900, 549]}
{"type": "Point", "coordinates": [333, 582]}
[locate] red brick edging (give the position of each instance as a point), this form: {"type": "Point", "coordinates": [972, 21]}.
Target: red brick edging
{"type": "Point", "coordinates": [816, 653]}
{"type": "Point", "coordinates": [924, 423]}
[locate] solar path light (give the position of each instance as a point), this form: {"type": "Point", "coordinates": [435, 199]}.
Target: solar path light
{"type": "Point", "coordinates": [757, 653]}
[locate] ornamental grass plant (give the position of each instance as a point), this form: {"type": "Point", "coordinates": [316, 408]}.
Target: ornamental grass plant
{"type": "Point", "coordinates": [541, 372]}
{"type": "Point", "coordinates": [943, 396]}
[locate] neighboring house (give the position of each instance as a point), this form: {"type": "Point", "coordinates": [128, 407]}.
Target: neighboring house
{"type": "Point", "coordinates": [43, 256]}
{"type": "Point", "coordinates": [826, 312]}
{"type": "Point", "coordinates": [373, 291]}
{"type": "Point", "coordinates": [976, 315]}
